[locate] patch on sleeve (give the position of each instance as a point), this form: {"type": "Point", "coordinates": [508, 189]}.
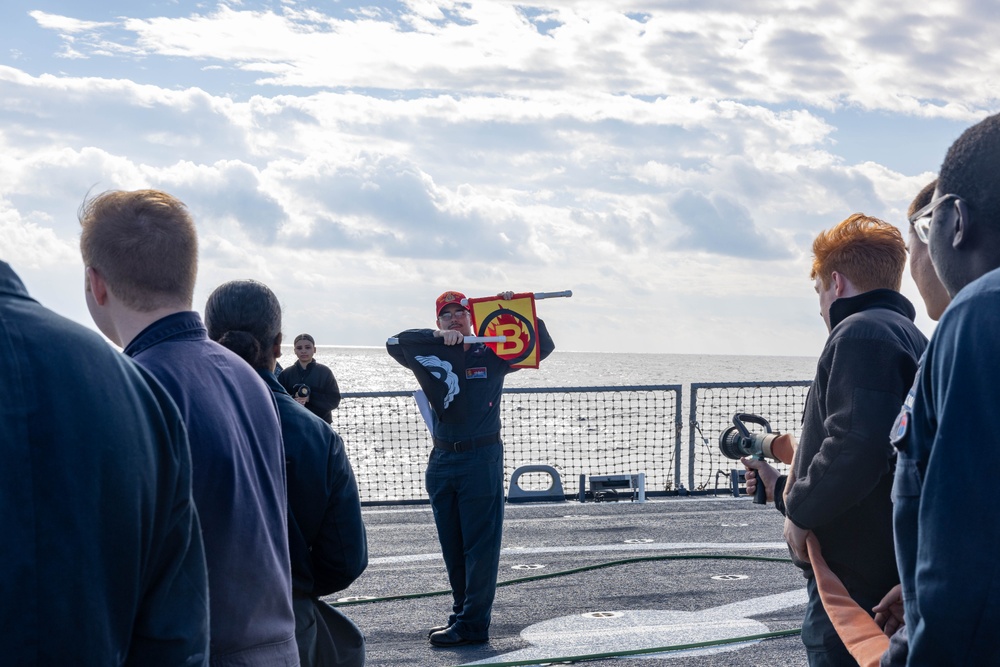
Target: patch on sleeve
{"type": "Point", "coordinates": [478, 373]}
{"type": "Point", "coordinates": [897, 435]}
{"type": "Point", "coordinates": [902, 422]}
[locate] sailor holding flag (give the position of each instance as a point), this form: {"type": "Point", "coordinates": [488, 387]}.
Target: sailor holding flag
{"type": "Point", "coordinates": [462, 379]}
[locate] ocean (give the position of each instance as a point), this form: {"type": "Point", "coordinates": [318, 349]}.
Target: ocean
{"type": "Point", "coordinates": [389, 445]}
{"type": "Point", "coordinates": [360, 369]}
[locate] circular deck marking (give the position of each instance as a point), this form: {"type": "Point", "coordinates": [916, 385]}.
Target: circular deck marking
{"type": "Point", "coordinates": [734, 525]}
{"type": "Point", "coordinates": [730, 577]}
{"type": "Point", "coordinates": [638, 540]}
{"type": "Point", "coordinates": [617, 630]}
{"type": "Point", "coordinates": [352, 598]}
{"type": "Point", "coordinates": [533, 566]}
{"type": "Point", "coordinates": [635, 629]}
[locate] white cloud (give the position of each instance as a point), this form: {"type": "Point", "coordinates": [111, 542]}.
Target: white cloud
{"type": "Point", "coordinates": [669, 163]}
{"type": "Point", "coordinates": [822, 54]}
{"type": "Point", "coordinates": [31, 243]}
{"type": "Point", "coordinates": [66, 24]}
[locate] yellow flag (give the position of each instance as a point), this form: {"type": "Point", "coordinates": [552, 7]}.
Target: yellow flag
{"type": "Point", "coordinates": [515, 319]}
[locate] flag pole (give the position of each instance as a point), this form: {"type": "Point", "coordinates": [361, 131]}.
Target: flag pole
{"type": "Point", "coordinates": [468, 339]}
{"type": "Point", "coordinates": [552, 295]}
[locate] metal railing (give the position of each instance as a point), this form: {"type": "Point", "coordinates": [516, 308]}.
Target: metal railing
{"type": "Point", "coordinates": [712, 406]}
{"type": "Point", "coordinates": [577, 430]}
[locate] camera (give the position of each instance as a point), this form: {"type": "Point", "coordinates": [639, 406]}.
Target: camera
{"type": "Point", "coordinates": [301, 391]}
{"type": "Point", "coordinates": [737, 441]}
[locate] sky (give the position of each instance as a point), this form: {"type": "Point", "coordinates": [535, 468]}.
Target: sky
{"type": "Point", "coordinates": [668, 162]}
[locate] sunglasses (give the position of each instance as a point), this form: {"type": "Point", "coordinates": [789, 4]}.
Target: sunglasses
{"type": "Point", "coordinates": [457, 314]}
{"type": "Point", "coordinates": [921, 220]}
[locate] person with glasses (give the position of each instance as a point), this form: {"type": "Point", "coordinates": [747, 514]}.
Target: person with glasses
{"type": "Point", "coordinates": [947, 536]}
{"type": "Point", "coordinates": [465, 473]}
{"type": "Point", "coordinates": [889, 614]}
{"type": "Point", "coordinates": [841, 476]}
{"type": "Point", "coordinates": [933, 293]}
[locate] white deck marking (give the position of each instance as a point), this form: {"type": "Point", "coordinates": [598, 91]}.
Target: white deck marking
{"type": "Point", "coordinates": [627, 630]}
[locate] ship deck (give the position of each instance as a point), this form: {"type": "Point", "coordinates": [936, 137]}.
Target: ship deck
{"type": "Point", "coordinates": [628, 577]}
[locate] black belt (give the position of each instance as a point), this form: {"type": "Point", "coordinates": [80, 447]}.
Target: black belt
{"type": "Point", "coordinates": [468, 445]}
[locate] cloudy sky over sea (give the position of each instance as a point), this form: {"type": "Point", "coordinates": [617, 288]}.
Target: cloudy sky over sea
{"type": "Point", "coordinates": [670, 162]}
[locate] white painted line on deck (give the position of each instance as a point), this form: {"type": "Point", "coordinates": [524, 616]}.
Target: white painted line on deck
{"type": "Point", "coordinates": [654, 546]}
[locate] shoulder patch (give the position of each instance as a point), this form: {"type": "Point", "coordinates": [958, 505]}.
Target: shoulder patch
{"type": "Point", "coordinates": [900, 427]}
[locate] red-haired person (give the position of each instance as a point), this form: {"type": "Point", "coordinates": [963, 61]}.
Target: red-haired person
{"type": "Point", "coordinates": [841, 477]}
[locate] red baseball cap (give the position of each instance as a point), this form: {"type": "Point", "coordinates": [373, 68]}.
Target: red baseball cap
{"type": "Point", "coordinates": [449, 298]}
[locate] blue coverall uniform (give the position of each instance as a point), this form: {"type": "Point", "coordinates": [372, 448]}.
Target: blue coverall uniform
{"type": "Point", "coordinates": [238, 467]}
{"type": "Point", "coordinates": [946, 527]}
{"type": "Point", "coordinates": [466, 487]}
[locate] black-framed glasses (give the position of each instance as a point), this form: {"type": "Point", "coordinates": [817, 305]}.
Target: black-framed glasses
{"type": "Point", "coordinates": [921, 220]}
{"type": "Point", "coordinates": [447, 317]}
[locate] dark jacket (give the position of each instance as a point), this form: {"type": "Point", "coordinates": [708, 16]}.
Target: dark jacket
{"type": "Point", "coordinates": [844, 461]}
{"type": "Point", "coordinates": [102, 562]}
{"type": "Point", "coordinates": [326, 535]}
{"type": "Point", "coordinates": [324, 394]}
{"type": "Point", "coordinates": [239, 487]}
{"type": "Point", "coordinates": [947, 527]}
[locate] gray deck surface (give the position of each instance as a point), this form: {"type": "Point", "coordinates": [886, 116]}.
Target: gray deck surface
{"type": "Point", "coordinates": [650, 604]}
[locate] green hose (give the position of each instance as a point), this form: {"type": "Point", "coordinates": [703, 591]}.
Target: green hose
{"type": "Point", "coordinates": [563, 573]}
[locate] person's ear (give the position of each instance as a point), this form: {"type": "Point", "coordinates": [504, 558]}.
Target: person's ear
{"type": "Point", "coordinates": [962, 224]}
{"type": "Point", "coordinates": [276, 349]}
{"type": "Point", "coordinates": [97, 286]}
{"type": "Point", "coordinates": [839, 284]}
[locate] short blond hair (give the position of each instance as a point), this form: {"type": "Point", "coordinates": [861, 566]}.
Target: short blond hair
{"type": "Point", "coordinates": [144, 244]}
{"type": "Point", "coordinates": [869, 252]}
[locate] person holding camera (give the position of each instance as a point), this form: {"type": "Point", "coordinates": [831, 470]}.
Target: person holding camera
{"type": "Point", "coordinates": [841, 476]}
{"type": "Point", "coordinates": [309, 382]}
